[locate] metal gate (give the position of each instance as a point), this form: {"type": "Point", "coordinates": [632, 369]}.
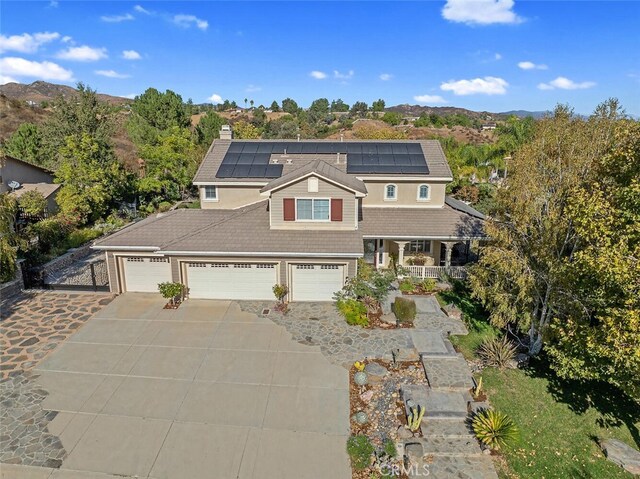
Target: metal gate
{"type": "Point", "coordinates": [81, 276]}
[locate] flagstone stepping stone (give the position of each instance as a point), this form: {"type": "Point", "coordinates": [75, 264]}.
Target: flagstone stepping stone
{"type": "Point", "coordinates": [622, 454]}
{"type": "Point", "coordinates": [446, 428]}
{"type": "Point", "coordinates": [448, 446]}
{"type": "Point", "coordinates": [442, 404]}
{"type": "Point", "coordinates": [455, 467]}
{"type": "Point", "coordinates": [448, 372]}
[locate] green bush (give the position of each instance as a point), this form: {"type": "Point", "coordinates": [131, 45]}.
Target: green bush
{"type": "Point", "coordinates": [360, 451]}
{"type": "Point", "coordinates": [494, 428]}
{"type": "Point", "coordinates": [497, 352]}
{"type": "Point", "coordinates": [404, 309]}
{"type": "Point", "coordinates": [389, 448]}
{"type": "Point", "coordinates": [170, 290]}
{"type": "Point", "coordinates": [428, 284]}
{"type": "Point", "coordinates": [50, 232]}
{"type": "Point", "coordinates": [407, 285]}
{"type": "Point", "coordinates": [354, 312]}
{"type": "Point", "coordinates": [33, 202]}
{"type": "Point", "coordinates": [280, 291]}
{"type": "Point", "coordinates": [81, 236]}
{"type": "Point", "coordinates": [164, 206]}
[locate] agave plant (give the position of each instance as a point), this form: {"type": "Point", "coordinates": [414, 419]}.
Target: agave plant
{"type": "Point", "coordinates": [494, 428]}
{"type": "Point", "coordinates": [497, 352]}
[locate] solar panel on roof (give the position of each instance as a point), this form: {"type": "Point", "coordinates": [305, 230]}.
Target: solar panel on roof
{"type": "Point", "coordinates": [401, 160]}
{"type": "Point", "coordinates": [250, 148]}
{"type": "Point", "coordinates": [231, 158]}
{"type": "Point", "coordinates": [265, 148]}
{"type": "Point", "coordinates": [386, 160]}
{"type": "Point", "coordinates": [262, 158]}
{"type": "Point", "coordinates": [241, 171]}
{"type": "Point", "coordinates": [384, 149]}
{"type": "Point", "coordinates": [354, 159]}
{"type": "Point", "coordinates": [416, 160]}
{"type": "Point", "coordinates": [245, 159]}
{"type": "Point", "coordinates": [309, 148]}
{"type": "Point", "coordinates": [414, 148]}
{"type": "Point", "coordinates": [235, 147]}
{"type": "Point", "coordinates": [293, 148]}
{"type": "Point", "coordinates": [415, 169]}
{"type": "Point", "coordinates": [258, 171]}
{"type": "Point", "coordinates": [273, 171]}
{"type": "Point", "coordinates": [225, 171]}
{"type": "Point", "coordinates": [399, 148]}
{"type": "Point", "coordinates": [354, 148]}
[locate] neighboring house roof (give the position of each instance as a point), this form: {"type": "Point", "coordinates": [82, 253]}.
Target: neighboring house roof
{"type": "Point", "coordinates": [47, 189]}
{"type": "Point", "coordinates": [245, 231]}
{"type": "Point", "coordinates": [461, 206]}
{"type": "Point", "coordinates": [33, 165]}
{"type": "Point", "coordinates": [435, 223]}
{"type": "Point", "coordinates": [251, 160]}
{"type": "Point", "coordinates": [321, 169]}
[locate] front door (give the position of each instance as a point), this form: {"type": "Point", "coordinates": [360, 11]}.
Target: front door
{"type": "Point", "coordinates": [370, 251]}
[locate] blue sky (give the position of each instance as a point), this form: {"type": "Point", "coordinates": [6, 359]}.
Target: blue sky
{"type": "Point", "coordinates": [492, 55]}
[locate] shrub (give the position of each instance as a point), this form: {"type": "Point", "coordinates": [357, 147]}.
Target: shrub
{"type": "Point", "coordinates": [280, 291]}
{"type": "Point", "coordinates": [164, 206]}
{"type": "Point", "coordinates": [33, 202]}
{"type": "Point", "coordinates": [389, 448]}
{"type": "Point", "coordinates": [407, 285]}
{"type": "Point", "coordinates": [368, 282]}
{"type": "Point", "coordinates": [404, 309]}
{"type": "Point", "coordinates": [51, 231]}
{"type": "Point", "coordinates": [497, 351]}
{"type": "Point", "coordinates": [360, 451]}
{"type": "Point", "coordinates": [81, 236]}
{"type": "Point", "coordinates": [428, 284]}
{"type": "Point", "coordinates": [354, 312]}
{"type": "Point", "coordinates": [494, 428]}
{"type": "Point", "coordinates": [170, 290]}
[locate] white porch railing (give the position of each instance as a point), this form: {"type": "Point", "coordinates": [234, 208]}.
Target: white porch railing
{"type": "Point", "coordinates": [435, 272]}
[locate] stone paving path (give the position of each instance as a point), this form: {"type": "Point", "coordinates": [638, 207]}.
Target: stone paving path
{"type": "Point", "coordinates": [35, 323]}
{"type": "Point", "coordinates": [31, 326]}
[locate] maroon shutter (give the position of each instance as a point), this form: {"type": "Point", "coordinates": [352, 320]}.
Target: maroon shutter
{"type": "Point", "coordinates": [336, 209]}
{"type": "Point", "coordinates": [289, 209]}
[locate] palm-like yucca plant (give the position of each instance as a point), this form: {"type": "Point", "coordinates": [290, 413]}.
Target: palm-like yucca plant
{"type": "Point", "coordinates": [494, 428]}
{"type": "Point", "coordinates": [497, 352]}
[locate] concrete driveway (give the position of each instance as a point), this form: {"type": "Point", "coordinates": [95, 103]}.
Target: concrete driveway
{"type": "Point", "coordinates": [204, 391]}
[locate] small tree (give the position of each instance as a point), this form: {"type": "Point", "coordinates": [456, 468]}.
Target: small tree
{"type": "Point", "coordinates": [171, 291]}
{"type": "Point", "coordinates": [280, 291]}
{"type": "Point", "coordinates": [33, 202]}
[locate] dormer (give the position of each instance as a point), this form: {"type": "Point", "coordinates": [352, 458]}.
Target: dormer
{"type": "Point", "coordinates": [314, 196]}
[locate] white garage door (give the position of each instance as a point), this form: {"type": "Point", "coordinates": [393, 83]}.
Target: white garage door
{"type": "Point", "coordinates": [142, 274]}
{"type": "Point", "coordinates": [316, 282]}
{"type": "Point", "coordinates": [231, 280]}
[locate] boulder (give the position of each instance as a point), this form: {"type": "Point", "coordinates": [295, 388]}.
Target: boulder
{"type": "Point", "coordinates": [404, 433]}
{"type": "Point", "coordinates": [414, 451]}
{"type": "Point", "coordinates": [389, 318]}
{"type": "Point", "coordinates": [622, 454]}
{"type": "Point", "coordinates": [376, 372]}
{"type": "Point", "coordinates": [453, 311]}
{"type": "Point", "coordinates": [405, 354]}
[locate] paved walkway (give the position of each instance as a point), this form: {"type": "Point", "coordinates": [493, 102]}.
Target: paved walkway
{"type": "Point", "coordinates": [206, 390]}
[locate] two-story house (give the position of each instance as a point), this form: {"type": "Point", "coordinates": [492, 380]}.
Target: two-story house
{"type": "Point", "coordinates": [18, 177]}
{"type": "Point", "coordinates": [299, 213]}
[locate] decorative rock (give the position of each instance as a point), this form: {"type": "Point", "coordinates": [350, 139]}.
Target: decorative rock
{"type": "Point", "coordinates": [453, 311]}
{"type": "Point", "coordinates": [476, 406]}
{"type": "Point", "coordinates": [360, 378]}
{"type": "Point", "coordinates": [404, 433]}
{"type": "Point", "coordinates": [376, 372]}
{"type": "Point", "coordinates": [414, 451]}
{"type": "Point", "coordinates": [367, 395]}
{"type": "Point", "coordinates": [389, 318]}
{"type": "Point", "coordinates": [622, 454]}
{"type": "Point", "coordinates": [361, 417]}
{"type": "Point", "coordinates": [523, 360]}
{"type": "Point", "coordinates": [405, 354]}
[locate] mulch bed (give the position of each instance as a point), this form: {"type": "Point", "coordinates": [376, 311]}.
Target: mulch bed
{"type": "Point", "coordinates": [170, 305]}
{"type": "Point", "coordinates": [375, 322]}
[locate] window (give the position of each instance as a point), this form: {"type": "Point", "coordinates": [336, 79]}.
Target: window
{"type": "Point", "coordinates": [423, 192]}
{"type": "Point", "coordinates": [312, 185]}
{"type": "Point", "coordinates": [312, 209]}
{"type": "Point", "coordinates": [210, 193]}
{"type": "Point", "coordinates": [390, 192]}
{"type": "Point", "coordinates": [418, 246]}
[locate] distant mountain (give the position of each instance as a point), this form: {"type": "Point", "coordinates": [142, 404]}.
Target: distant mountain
{"type": "Point", "coordinates": [525, 113]}
{"type": "Point", "coordinates": [417, 110]}
{"type": "Point", "coordinates": [40, 91]}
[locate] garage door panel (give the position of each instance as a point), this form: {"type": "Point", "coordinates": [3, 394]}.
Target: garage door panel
{"type": "Point", "coordinates": [316, 282]}
{"type": "Point", "coordinates": [231, 280]}
{"type": "Point", "coordinates": [142, 274]}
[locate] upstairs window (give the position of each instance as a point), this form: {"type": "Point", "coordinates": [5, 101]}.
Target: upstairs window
{"type": "Point", "coordinates": [211, 193]}
{"type": "Point", "coordinates": [312, 209]}
{"type": "Point", "coordinates": [418, 246]}
{"type": "Point", "coordinates": [390, 192]}
{"type": "Point", "coordinates": [423, 192]}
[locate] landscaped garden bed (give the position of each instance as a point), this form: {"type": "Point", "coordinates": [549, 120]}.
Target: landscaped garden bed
{"type": "Point", "coordinates": [375, 437]}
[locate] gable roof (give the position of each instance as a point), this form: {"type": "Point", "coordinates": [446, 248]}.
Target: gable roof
{"type": "Point", "coordinates": [28, 163]}
{"type": "Point", "coordinates": [463, 207]}
{"type": "Point", "coordinates": [46, 189]}
{"type": "Point", "coordinates": [249, 160]}
{"type": "Point", "coordinates": [321, 169]}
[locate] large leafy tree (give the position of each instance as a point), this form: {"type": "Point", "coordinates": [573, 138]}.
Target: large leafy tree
{"type": "Point", "coordinates": [289, 106]}
{"type": "Point", "coordinates": [25, 144]}
{"type": "Point", "coordinates": [208, 128]}
{"type": "Point", "coordinates": [91, 176]}
{"type": "Point", "coordinates": [562, 261]}
{"type": "Point", "coordinates": [8, 238]}
{"type": "Point", "coordinates": [161, 110]}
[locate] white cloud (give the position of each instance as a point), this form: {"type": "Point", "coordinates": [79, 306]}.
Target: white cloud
{"type": "Point", "coordinates": [186, 21]}
{"type": "Point", "coordinates": [20, 67]}
{"type": "Point", "coordinates": [66, 39]}
{"type": "Point", "coordinates": [484, 86]}
{"type": "Point", "coordinates": [343, 76]}
{"type": "Point", "coordinates": [82, 54]}
{"type": "Point", "coordinates": [26, 43]}
{"type": "Point", "coordinates": [318, 75]}
{"type": "Point", "coordinates": [131, 55]}
{"type": "Point", "coordinates": [532, 66]}
{"type": "Point", "coordinates": [215, 99]}
{"type": "Point", "coordinates": [480, 12]}
{"type": "Point", "coordinates": [497, 56]}
{"type": "Point", "coordinates": [253, 88]}
{"type": "Point", "coordinates": [117, 18]}
{"type": "Point", "coordinates": [386, 76]}
{"type": "Point", "coordinates": [53, 4]}
{"type": "Point", "coordinates": [140, 9]}
{"type": "Point", "coordinates": [429, 99]}
{"type": "Point", "coordinates": [563, 83]}
{"type": "Point", "coordinates": [6, 79]}
{"type": "Point", "coordinates": [111, 74]}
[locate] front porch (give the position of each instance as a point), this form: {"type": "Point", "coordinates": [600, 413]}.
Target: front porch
{"type": "Point", "coordinates": [423, 257]}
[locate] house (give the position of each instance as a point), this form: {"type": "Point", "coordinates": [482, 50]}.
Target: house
{"type": "Point", "coordinates": [299, 213]}
{"type": "Point", "coordinates": [19, 176]}
{"type": "Point", "coordinates": [489, 126]}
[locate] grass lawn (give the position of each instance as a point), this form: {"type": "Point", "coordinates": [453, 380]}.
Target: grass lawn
{"type": "Point", "coordinates": [474, 317]}
{"type": "Point", "coordinates": [559, 422]}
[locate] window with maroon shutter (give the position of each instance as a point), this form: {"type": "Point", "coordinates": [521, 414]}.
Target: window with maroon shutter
{"type": "Point", "coordinates": [289, 209]}
{"type": "Point", "coordinates": [336, 209]}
